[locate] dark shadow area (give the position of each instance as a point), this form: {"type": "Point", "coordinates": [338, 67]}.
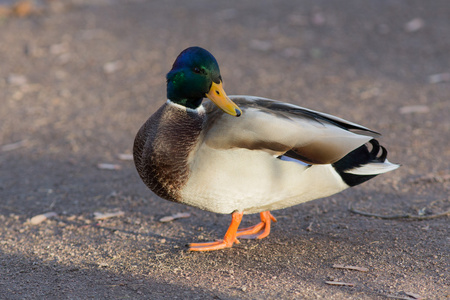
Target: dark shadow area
{"type": "Point", "coordinates": [25, 277]}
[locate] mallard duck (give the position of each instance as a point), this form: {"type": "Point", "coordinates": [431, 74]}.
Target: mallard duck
{"type": "Point", "coordinates": [242, 154]}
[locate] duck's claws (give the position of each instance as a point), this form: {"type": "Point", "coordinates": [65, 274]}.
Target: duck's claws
{"type": "Point", "coordinates": [228, 240]}
{"type": "Point", "coordinates": [260, 230]}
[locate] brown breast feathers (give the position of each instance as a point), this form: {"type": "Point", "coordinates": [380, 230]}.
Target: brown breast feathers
{"type": "Point", "coordinates": [161, 149]}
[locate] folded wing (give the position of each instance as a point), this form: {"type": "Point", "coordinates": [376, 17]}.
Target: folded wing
{"type": "Point", "coordinates": [284, 129]}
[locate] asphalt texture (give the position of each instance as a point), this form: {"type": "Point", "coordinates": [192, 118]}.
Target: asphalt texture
{"type": "Point", "coordinates": [79, 78]}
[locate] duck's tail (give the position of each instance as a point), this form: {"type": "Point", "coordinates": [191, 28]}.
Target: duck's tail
{"type": "Point", "coordinates": [363, 163]}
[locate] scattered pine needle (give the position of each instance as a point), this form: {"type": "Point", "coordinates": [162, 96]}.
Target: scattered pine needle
{"type": "Point", "coordinates": [361, 269]}
{"type": "Point", "coordinates": [339, 283]}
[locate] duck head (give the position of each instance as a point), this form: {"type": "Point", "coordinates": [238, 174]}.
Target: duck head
{"type": "Point", "coordinates": [195, 74]}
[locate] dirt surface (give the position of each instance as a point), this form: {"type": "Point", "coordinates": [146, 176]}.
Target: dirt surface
{"type": "Point", "coordinates": [78, 79]}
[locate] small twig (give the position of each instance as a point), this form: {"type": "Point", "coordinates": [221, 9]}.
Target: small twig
{"type": "Point", "coordinates": [404, 216]}
{"type": "Point", "coordinates": [340, 283]}
{"type": "Point", "coordinates": [361, 269]}
{"type": "Point", "coordinates": [14, 146]}
{"type": "Point", "coordinates": [413, 295]}
{"type": "Point", "coordinates": [397, 297]}
{"type": "Point", "coordinates": [409, 296]}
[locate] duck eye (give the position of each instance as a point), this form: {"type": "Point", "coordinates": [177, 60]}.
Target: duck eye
{"type": "Point", "coordinates": [197, 70]}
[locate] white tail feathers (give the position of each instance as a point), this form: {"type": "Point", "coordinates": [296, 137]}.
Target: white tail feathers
{"type": "Point", "coordinates": [373, 168]}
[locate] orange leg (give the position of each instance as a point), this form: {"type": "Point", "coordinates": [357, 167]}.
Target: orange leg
{"type": "Point", "coordinates": [228, 240]}
{"type": "Point", "coordinates": [260, 230]}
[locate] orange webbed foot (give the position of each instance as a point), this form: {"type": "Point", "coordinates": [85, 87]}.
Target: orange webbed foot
{"type": "Point", "coordinates": [228, 240]}
{"type": "Point", "coordinates": [260, 230]}
{"type": "Point", "coordinates": [211, 246]}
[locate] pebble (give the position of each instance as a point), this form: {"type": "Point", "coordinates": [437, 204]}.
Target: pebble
{"type": "Point", "coordinates": [112, 66]}
{"type": "Point", "coordinates": [414, 25]}
{"type": "Point", "coordinates": [260, 45]}
{"type": "Point", "coordinates": [17, 79]}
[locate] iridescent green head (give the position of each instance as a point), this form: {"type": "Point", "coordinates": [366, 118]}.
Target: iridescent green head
{"type": "Point", "coordinates": [195, 74]}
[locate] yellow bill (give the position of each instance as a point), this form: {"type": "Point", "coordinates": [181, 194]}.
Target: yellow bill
{"type": "Point", "coordinates": [217, 95]}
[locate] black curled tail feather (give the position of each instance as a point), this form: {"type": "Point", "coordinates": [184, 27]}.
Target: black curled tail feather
{"type": "Point", "coordinates": [357, 158]}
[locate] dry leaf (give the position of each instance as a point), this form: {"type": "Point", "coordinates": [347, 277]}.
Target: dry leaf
{"type": "Point", "coordinates": [174, 217]}
{"type": "Point", "coordinates": [42, 217]}
{"type": "Point", "coordinates": [104, 216]}
{"type": "Point", "coordinates": [361, 269]}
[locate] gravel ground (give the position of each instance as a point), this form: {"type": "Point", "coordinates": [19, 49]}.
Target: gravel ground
{"type": "Point", "coordinates": [78, 78]}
